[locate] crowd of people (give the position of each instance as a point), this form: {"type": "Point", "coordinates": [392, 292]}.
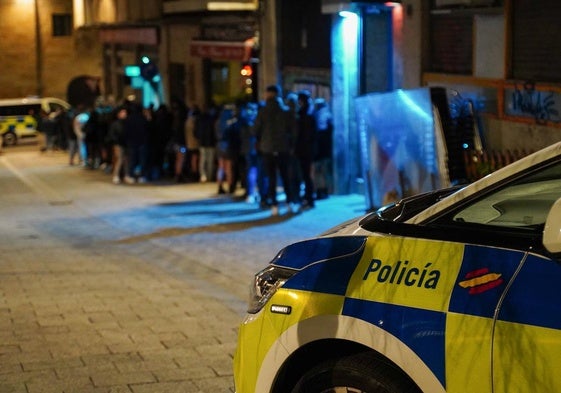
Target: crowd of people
{"type": "Point", "coordinates": [246, 146]}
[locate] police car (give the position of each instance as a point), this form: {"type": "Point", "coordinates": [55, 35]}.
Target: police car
{"type": "Point", "coordinates": [457, 290]}
{"type": "Point", "coordinates": [19, 116]}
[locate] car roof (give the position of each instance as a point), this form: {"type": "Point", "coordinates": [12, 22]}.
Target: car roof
{"type": "Point", "coordinates": [32, 101]}
{"type": "Point", "coordinates": [493, 178]}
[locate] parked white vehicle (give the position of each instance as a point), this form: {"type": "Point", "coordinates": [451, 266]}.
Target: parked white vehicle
{"type": "Point", "coordinates": [19, 117]}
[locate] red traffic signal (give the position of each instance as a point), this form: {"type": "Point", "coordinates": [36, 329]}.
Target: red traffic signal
{"type": "Point", "coordinates": [246, 70]}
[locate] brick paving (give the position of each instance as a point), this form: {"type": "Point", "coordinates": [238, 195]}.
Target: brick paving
{"type": "Point", "coordinates": [135, 289]}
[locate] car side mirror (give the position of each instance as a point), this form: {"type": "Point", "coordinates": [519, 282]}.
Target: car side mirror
{"type": "Point", "coordinates": [552, 229]}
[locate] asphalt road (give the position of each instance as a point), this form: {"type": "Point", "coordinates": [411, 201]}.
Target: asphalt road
{"type": "Point", "coordinates": [135, 289]}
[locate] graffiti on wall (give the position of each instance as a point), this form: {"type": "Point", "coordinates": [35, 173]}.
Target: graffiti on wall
{"type": "Point", "coordinates": [527, 101]}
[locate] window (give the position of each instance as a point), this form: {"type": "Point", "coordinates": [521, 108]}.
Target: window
{"type": "Point", "coordinates": [219, 77]}
{"type": "Point", "coordinates": [524, 203]}
{"type": "Point", "coordinates": [20, 110]}
{"type": "Point", "coordinates": [53, 107]}
{"type": "Point", "coordinates": [535, 51]}
{"type": "Point", "coordinates": [451, 38]}
{"type": "Point", "coordinates": [62, 25]}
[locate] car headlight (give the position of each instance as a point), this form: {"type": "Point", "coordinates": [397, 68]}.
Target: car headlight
{"type": "Point", "coordinates": [265, 284]}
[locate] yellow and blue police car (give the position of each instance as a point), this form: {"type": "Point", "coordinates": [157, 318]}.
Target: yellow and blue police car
{"type": "Point", "coordinates": [456, 290]}
{"type": "Point", "coordinates": [19, 116]}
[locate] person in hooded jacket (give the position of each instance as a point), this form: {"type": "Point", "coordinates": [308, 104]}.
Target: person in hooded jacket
{"type": "Point", "coordinates": [274, 131]}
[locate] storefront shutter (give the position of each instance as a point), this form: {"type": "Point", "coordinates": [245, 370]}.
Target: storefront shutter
{"type": "Point", "coordinates": [451, 38]}
{"type": "Point", "coordinates": [536, 47]}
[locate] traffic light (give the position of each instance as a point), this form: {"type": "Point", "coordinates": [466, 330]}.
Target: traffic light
{"type": "Point", "coordinates": [246, 70]}
{"type": "Point", "coordinates": [148, 70]}
{"type": "Point", "coordinates": [247, 73]}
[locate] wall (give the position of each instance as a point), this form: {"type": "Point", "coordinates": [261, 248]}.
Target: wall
{"type": "Point", "coordinates": [62, 57]}
{"type": "Point", "coordinates": [66, 57]}
{"type": "Point", "coordinates": [18, 50]}
{"type": "Point", "coordinates": [104, 11]}
{"type": "Point", "coordinates": [411, 44]}
{"type": "Point", "coordinates": [144, 10]}
{"type": "Point", "coordinates": [176, 41]}
{"type": "Point", "coordinates": [118, 11]}
{"type": "Point", "coordinates": [510, 135]}
{"type": "Point", "coordinates": [507, 54]}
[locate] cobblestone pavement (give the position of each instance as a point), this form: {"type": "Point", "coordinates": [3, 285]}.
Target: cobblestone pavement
{"type": "Point", "coordinates": [132, 289]}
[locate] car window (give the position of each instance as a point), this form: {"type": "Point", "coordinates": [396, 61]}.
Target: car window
{"type": "Point", "coordinates": [521, 203]}
{"type": "Point", "coordinates": [53, 106]}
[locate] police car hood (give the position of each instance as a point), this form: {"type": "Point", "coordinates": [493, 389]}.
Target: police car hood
{"type": "Point", "coordinates": [346, 241]}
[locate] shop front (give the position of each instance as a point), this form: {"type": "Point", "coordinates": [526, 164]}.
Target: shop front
{"type": "Point", "coordinates": [229, 68]}
{"type": "Point", "coordinates": [130, 64]}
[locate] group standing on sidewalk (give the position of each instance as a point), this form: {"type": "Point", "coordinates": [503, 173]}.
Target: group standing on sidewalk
{"type": "Point", "coordinates": [272, 149]}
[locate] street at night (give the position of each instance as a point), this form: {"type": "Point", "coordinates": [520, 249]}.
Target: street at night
{"type": "Point", "coordinates": [280, 196]}
{"type": "Point", "coordinates": [118, 288]}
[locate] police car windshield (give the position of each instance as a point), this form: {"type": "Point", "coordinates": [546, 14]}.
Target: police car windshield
{"type": "Point", "coordinates": [523, 203]}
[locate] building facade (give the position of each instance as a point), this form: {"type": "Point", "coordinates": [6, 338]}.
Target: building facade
{"type": "Point", "coordinates": [206, 46]}
{"type": "Point", "coordinates": [41, 50]}
{"type": "Point", "coordinates": [485, 51]}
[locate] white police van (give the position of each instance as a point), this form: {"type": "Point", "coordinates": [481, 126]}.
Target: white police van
{"type": "Point", "coordinates": [19, 117]}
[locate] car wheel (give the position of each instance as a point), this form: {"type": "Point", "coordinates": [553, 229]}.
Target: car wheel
{"type": "Point", "coordinates": [10, 138]}
{"type": "Point", "coordinates": [361, 373]}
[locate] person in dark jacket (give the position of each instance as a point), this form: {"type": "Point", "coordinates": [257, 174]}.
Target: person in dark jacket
{"type": "Point", "coordinates": [91, 138]}
{"type": "Point", "coordinates": [305, 144]}
{"type": "Point", "coordinates": [160, 135]}
{"type": "Point", "coordinates": [206, 134]}
{"type": "Point", "coordinates": [274, 135]}
{"type": "Point", "coordinates": [50, 125]}
{"type": "Point", "coordinates": [193, 121]}
{"type": "Point", "coordinates": [136, 140]}
{"type": "Point", "coordinates": [116, 137]}
{"type": "Point", "coordinates": [179, 115]}
{"type": "Point", "coordinates": [228, 148]}
{"type": "Point", "coordinates": [323, 162]}
{"type": "Point", "coordinates": [255, 184]}
{"type": "Point", "coordinates": [69, 135]}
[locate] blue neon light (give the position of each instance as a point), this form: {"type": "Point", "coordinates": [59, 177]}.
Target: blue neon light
{"type": "Point", "coordinates": [347, 14]}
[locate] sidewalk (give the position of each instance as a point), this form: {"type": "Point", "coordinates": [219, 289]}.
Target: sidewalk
{"type": "Point", "coordinates": [136, 289]}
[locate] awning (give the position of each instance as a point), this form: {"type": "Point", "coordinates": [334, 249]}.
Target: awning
{"type": "Point", "coordinates": [223, 50]}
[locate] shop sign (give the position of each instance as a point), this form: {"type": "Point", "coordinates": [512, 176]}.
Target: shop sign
{"type": "Point", "coordinates": [144, 35]}
{"type": "Point", "coordinates": [221, 50]}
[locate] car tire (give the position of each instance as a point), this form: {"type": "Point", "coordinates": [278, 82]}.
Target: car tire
{"type": "Point", "coordinates": [360, 373]}
{"type": "Point", "coordinates": [9, 138]}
